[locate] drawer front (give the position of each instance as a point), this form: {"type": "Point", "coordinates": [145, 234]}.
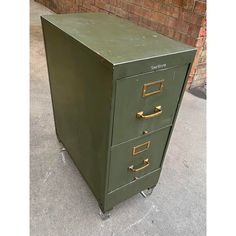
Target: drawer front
{"type": "Point", "coordinates": [147, 181]}
{"type": "Point", "coordinates": [146, 102]}
{"type": "Point", "coordinates": [135, 158]}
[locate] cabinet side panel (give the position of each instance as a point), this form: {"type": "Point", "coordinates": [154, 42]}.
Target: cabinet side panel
{"type": "Point", "coordinates": [81, 90]}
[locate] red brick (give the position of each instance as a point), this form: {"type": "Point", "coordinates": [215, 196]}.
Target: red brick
{"type": "Point", "coordinates": [141, 24]}
{"type": "Point", "coordinates": [202, 60]}
{"type": "Point", "coordinates": [136, 2]}
{"type": "Point", "coordinates": [118, 3]}
{"type": "Point", "coordinates": [183, 38]}
{"type": "Point", "coordinates": [168, 31]}
{"type": "Point", "coordinates": [188, 4]}
{"type": "Point", "coordinates": [151, 27]}
{"type": "Point", "coordinates": [177, 2]}
{"type": "Point", "coordinates": [169, 10]}
{"type": "Point", "coordinates": [149, 4]}
{"type": "Point", "coordinates": [203, 56]}
{"type": "Point", "coordinates": [131, 8]}
{"type": "Point", "coordinates": [201, 66]}
{"type": "Point", "coordinates": [191, 17]}
{"type": "Point", "coordinates": [200, 8]}
{"type": "Point", "coordinates": [171, 22]}
{"type": "Point", "coordinates": [200, 42]}
{"type": "Point", "coordinates": [92, 2]}
{"type": "Point", "coordinates": [121, 4]}
{"type": "Point", "coordinates": [193, 30]}
{"type": "Point", "coordinates": [149, 23]}
{"type": "Point", "coordinates": [156, 6]}
{"type": "Point", "coordinates": [191, 41]}
{"type": "Point", "coordinates": [100, 4]}
{"type": "Point", "coordinates": [167, 1]}
{"type": "Point", "coordinates": [177, 36]}
{"type": "Point", "coordinates": [147, 14]}
{"type": "Point", "coordinates": [202, 32]}
{"type": "Point", "coordinates": [191, 74]}
{"type": "Point", "coordinates": [146, 21]}
{"type": "Point", "coordinates": [134, 18]}
{"type": "Point", "coordinates": [183, 27]}
{"type": "Point", "coordinates": [80, 2]}
{"type": "Point", "coordinates": [107, 7]}
{"type": "Point", "coordinates": [120, 12]}
{"type": "Point", "coordinates": [158, 27]}
{"type": "Point", "coordinates": [105, 1]}
{"type": "Point", "coordinates": [87, 4]}
{"type": "Point", "coordinates": [204, 21]}
{"type": "Point", "coordinates": [154, 25]}
{"type": "Point", "coordinates": [113, 2]}
{"type": "Point", "coordinates": [112, 9]}
{"type": "Point", "coordinates": [160, 18]}
{"type": "Point", "coordinates": [84, 9]}
{"type": "Point", "coordinates": [203, 53]}
{"type": "Point", "coordinates": [161, 29]}
{"type": "Point", "coordinates": [102, 10]}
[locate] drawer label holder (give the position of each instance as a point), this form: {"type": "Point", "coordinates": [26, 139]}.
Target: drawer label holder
{"type": "Point", "coordinates": [146, 86]}
{"type": "Point", "coordinates": [140, 148]}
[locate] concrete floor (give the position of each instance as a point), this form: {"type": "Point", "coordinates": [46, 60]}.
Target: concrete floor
{"type": "Point", "coordinates": [61, 202]}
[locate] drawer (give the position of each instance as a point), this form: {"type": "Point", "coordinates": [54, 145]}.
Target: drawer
{"type": "Point", "coordinates": [147, 181]}
{"type": "Point", "coordinates": [135, 158]}
{"type": "Point", "coordinates": [146, 102]}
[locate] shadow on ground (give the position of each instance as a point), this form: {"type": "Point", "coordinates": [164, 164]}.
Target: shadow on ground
{"type": "Point", "coordinates": [199, 91]}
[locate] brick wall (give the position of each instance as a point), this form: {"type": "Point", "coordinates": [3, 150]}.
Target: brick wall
{"type": "Point", "coordinates": [198, 72]}
{"type": "Point", "coordinates": [183, 20]}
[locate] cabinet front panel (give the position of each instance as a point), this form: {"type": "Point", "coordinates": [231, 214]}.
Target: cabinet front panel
{"type": "Point", "coordinates": [134, 159]}
{"type": "Point", "coordinates": [146, 102]}
{"type": "Point", "coordinates": [147, 181]}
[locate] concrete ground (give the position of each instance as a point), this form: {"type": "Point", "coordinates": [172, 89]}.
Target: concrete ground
{"type": "Point", "coordinates": [61, 202]}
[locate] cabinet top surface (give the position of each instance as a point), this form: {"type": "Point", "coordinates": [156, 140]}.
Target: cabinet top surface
{"type": "Point", "coordinates": [115, 39]}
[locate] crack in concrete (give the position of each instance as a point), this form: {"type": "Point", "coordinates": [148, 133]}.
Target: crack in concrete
{"type": "Point", "coordinates": [153, 207]}
{"type": "Point", "coordinates": [63, 157]}
{"type": "Point", "coordinates": [47, 176]}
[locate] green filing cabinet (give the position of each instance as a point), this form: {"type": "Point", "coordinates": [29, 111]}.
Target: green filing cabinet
{"type": "Point", "coordinates": [116, 89]}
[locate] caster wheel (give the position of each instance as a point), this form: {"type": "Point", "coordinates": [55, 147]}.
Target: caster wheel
{"type": "Point", "coordinates": [147, 192]}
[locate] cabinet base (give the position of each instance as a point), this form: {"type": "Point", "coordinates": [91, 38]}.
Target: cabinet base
{"type": "Point", "coordinates": [105, 215]}
{"type": "Point", "coordinates": [147, 192]}
{"type": "Point", "coordinates": [129, 190]}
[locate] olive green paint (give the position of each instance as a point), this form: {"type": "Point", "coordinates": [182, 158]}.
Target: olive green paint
{"type": "Point", "coordinates": [97, 65]}
{"type": "Point", "coordinates": [121, 156]}
{"type": "Point", "coordinates": [129, 101]}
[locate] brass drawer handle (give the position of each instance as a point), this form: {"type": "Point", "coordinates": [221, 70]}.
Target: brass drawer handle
{"type": "Point", "coordinates": [140, 148]}
{"type": "Point", "coordinates": [157, 112]}
{"type": "Point", "coordinates": [146, 164]}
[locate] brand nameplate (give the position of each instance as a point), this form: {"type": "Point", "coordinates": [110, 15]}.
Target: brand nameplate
{"type": "Point", "coordinates": [159, 66]}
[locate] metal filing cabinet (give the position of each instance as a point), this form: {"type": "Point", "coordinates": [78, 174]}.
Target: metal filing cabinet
{"type": "Point", "coordinates": [116, 89]}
